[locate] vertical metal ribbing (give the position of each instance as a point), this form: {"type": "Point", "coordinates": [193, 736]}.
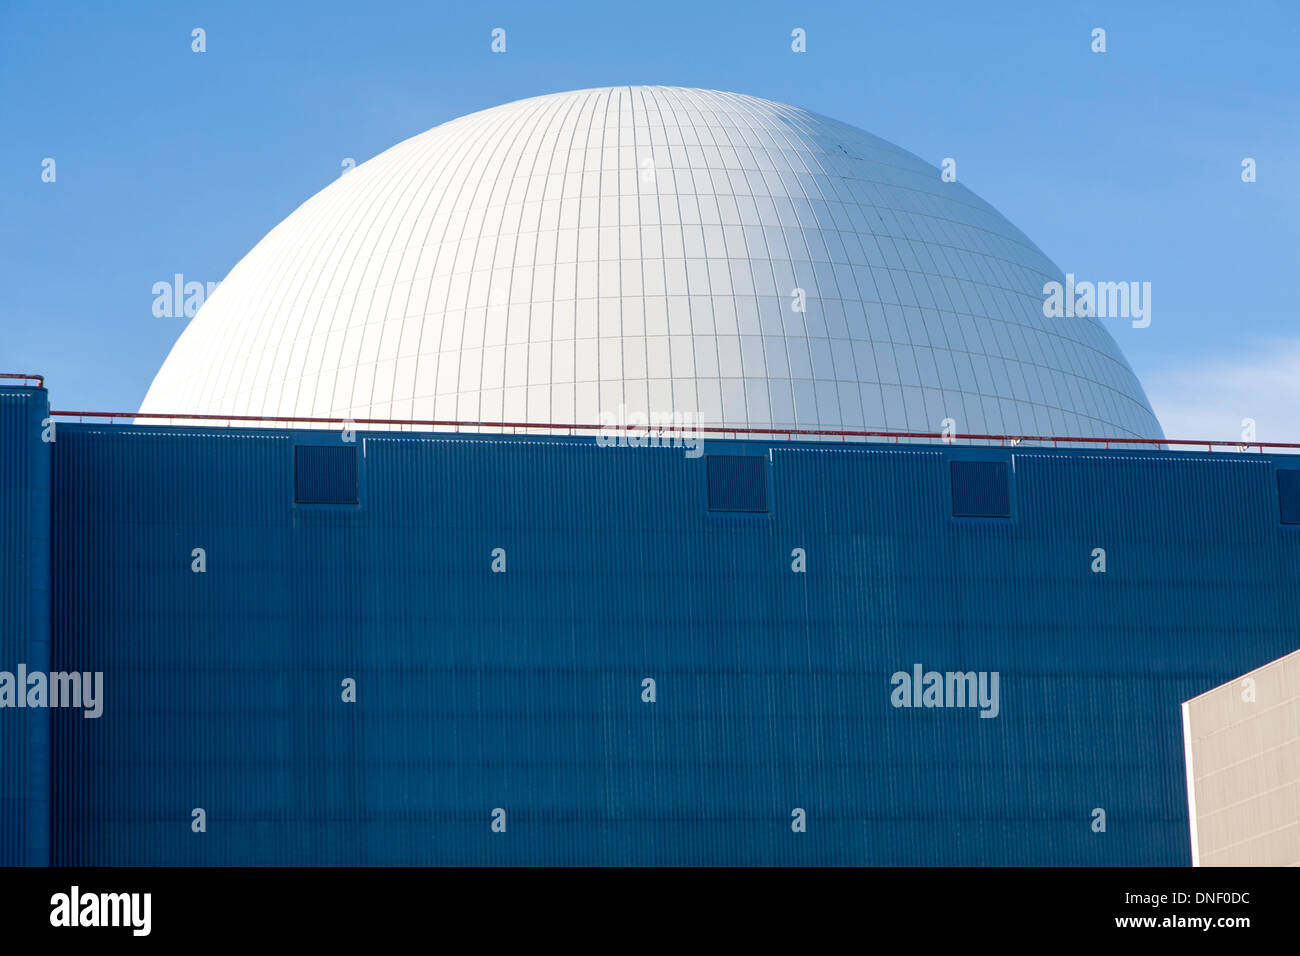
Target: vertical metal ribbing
{"type": "Point", "coordinates": [24, 623]}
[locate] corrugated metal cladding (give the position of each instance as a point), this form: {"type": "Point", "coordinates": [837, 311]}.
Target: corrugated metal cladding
{"type": "Point", "coordinates": [561, 655]}
{"type": "Point", "coordinates": [24, 626]}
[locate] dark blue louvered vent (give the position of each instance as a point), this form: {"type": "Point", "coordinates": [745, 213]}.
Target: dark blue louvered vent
{"type": "Point", "coordinates": [325, 474]}
{"type": "Point", "coordinates": [1288, 496]}
{"type": "Point", "coordinates": [737, 483]}
{"type": "Point", "coordinates": [980, 489]}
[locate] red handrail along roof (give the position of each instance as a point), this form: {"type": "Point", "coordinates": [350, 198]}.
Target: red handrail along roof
{"type": "Point", "coordinates": [735, 431]}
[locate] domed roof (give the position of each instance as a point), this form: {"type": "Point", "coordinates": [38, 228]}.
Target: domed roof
{"type": "Point", "coordinates": [663, 250]}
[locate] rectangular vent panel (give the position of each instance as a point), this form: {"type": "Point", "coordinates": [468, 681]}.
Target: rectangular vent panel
{"type": "Point", "coordinates": [737, 483]}
{"type": "Point", "coordinates": [325, 474]}
{"type": "Point", "coordinates": [980, 489]}
{"type": "Point", "coordinates": [1288, 495]}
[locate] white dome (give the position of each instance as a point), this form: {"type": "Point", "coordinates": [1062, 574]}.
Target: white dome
{"type": "Point", "coordinates": [556, 258]}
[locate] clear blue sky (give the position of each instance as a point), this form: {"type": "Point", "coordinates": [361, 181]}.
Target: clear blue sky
{"type": "Point", "coordinates": [1120, 166]}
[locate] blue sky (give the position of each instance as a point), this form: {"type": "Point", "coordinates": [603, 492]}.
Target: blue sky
{"type": "Point", "coordinates": [1120, 166]}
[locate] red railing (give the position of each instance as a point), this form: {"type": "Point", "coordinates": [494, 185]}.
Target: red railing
{"type": "Point", "coordinates": [789, 433]}
{"type": "Point", "coordinates": [38, 379]}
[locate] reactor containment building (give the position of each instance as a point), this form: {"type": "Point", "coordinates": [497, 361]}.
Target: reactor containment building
{"type": "Point", "coordinates": [396, 602]}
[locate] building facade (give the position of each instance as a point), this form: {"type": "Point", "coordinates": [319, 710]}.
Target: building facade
{"type": "Point", "coordinates": [1243, 768]}
{"type": "Point", "coordinates": [487, 649]}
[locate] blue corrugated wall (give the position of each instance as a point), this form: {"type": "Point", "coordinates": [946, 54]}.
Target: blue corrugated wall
{"type": "Point", "coordinates": [24, 625]}
{"type": "Point", "coordinates": [522, 691]}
